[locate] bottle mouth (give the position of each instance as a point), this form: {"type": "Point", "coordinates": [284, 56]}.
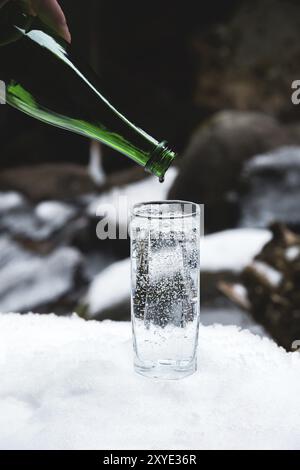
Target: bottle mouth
{"type": "Point", "coordinates": [160, 160]}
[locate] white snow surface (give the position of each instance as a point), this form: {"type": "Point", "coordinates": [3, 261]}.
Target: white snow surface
{"type": "Point", "coordinates": [69, 384]}
{"type": "Point", "coordinates": [230, 250]}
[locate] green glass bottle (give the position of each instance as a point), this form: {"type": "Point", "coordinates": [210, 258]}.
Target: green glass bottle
{"type": "Point", "coordinates": [70, 95]}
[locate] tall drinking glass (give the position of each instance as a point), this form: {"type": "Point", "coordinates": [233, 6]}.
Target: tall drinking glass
{"type": "Point", "coordinates": [165, 262]}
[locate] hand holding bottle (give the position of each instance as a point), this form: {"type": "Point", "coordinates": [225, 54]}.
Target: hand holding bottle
{"type": "Point", "coordinates": [50, 13]}
{"type": "Point", "coordinates": [49, 81]}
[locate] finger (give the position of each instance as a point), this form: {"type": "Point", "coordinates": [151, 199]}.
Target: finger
{"type": "Point", "coordinates": [51, 13]}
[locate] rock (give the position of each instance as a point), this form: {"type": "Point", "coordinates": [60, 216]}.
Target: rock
{"type": "Point", "coordinates": [39, 228]}
{"type": "Point", "coordinates": [211, 166]}
{"type": "Point", "coordinates": [38, 223]}
{"type": "Point", "coordinates": [30, 282]}
{"type": "Point", "coordinates": [48, 181]}
{"type": "Point", "coordinates": [271, 284]}
{"type": "Point", "coordinates": [226, 314]}
{"type": "Point", "coordinates": [273, 189]}
{"type": "Point", "coordinates": [211, 296]}
{"type": "Point", "coordinates": [294, 132]}
{"type": "Point", "coordinates": [248, 60]}
{"type": "Point", "coordinates": [118, 312]}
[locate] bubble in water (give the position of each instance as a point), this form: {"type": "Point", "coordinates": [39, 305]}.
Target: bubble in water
{"type": "Point", "coordinates": [165, 294]}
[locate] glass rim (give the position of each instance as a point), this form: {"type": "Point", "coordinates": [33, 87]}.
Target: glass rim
{"type": "Point", "coordinates": [136, 207]}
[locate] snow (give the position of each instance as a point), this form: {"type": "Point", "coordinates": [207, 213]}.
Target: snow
{"type": "Point", "coordinates": [54, 213]}
{"type": "Point", "coordinates": [280, 158]}
{"type": "Point", "coordinates": [69, 384]}
{"type": "Point", "coordinates": [38, 224]}
{"type": "Point", "coordinates": [35, 223]}
{"type": "Point", "coordinates": [10, 200]}
{"type": "Point", "coordinates": [148, 189]}
{"type": "Point", "coordinates": [240, 291]}
{"type": "Point", "coordinates": [230, 250]}
{"type": "Point", "coordinates": [110, 287]}
{"type": "Point", "coordinates": [28, 280]}
{"type": "Point", "coordinates": [273, 276]}
{"type": "Point", "coordinates": [292, 253]}
{"type": "Point", "coordinates": [95, 167]}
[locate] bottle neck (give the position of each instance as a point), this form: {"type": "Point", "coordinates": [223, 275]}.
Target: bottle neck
{"type": "Point", "coordinates": [160, 160]}
{"type": "Point", "coordinates": [78, 104]}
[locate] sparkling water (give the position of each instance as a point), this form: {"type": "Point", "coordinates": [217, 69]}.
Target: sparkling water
{"type": "Point", "coordinates": [165, 290]}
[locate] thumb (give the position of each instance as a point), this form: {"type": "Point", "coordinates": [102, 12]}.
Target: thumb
{"type": "Point", "coordinates": [51, 13]}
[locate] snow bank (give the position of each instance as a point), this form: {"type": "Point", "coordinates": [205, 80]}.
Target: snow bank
{"type": "Point", "coordinates": [148, 189]}
{"type": "Point", "coordinates": [281, 158]}
{"type": "Point", "coordinates": [110, 287]}
{"type": "Point", "coordinates": [28, 280]}
{"type": "Point", "coordinates": [69, 384]}
{"type": "Point", "coordinates": [230, 250]}
{"type": "Point", "coordinates": [55, 213]}
{"type": "Point", "coordinates": [10, 200]}
{"type": "Point", "coordinates": [35, 224]}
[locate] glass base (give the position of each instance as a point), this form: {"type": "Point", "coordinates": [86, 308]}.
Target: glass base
{"type": "Point", "coordinates": [166, 369]}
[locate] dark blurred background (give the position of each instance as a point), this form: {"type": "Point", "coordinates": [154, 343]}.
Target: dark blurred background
{"type": "Point", "coordinates": [214, 80]}
{"type": "Point", "coordinates": [170, 66]}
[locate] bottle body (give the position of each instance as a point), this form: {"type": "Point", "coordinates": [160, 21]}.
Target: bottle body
{"type": "Point", "coordinates": [47, 80]}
